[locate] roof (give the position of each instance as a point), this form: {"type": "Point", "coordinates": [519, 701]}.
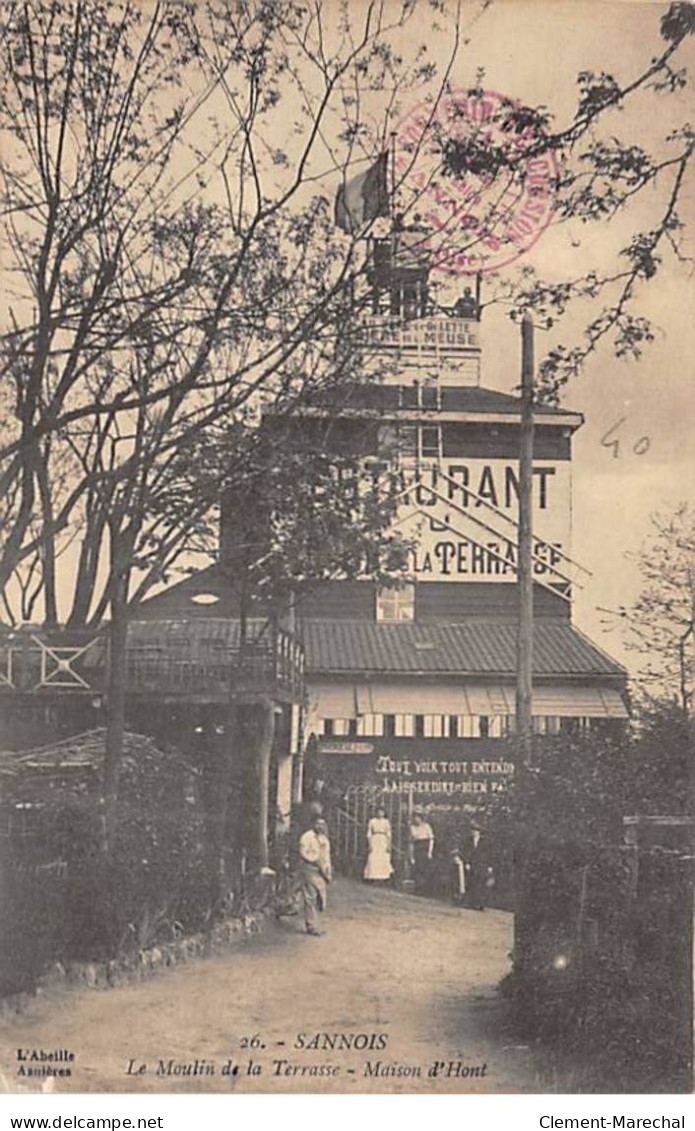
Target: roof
{"type": "Point", "coordinates": [76, 763]}
{"type": "Point", "coordinates": [473, 398]}
{"type": "Point", "coordinates": [476, 648]}
{"type": "Point", "coordinates": [219, 635]}
{"type": "Point", "coordinates": [469, 399]}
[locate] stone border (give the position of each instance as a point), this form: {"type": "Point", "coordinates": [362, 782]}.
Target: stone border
{"type": "Point", "coordinates": [136, 968]}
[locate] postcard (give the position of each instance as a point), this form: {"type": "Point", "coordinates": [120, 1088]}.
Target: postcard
{"type": "Point", "coordinates": [348, 547]}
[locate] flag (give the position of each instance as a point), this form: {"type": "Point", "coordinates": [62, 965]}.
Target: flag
{"type": "Point", "coordinates": [364, 197]}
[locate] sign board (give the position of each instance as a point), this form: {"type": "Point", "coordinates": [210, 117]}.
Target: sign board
{"type": "Point", "coordinates": [346, 746]}
{"type": "Point", "coordinates": [438, 776]}
{"type": "Point", "coordinates": [438, 342]}
{"type": "Point", "coordinates": [442, 781]}
{"type": "Point", "coordinates": [463, 515]}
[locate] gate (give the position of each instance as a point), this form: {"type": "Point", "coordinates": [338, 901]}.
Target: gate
{"type": "Point", "coordinates": [357, 805]}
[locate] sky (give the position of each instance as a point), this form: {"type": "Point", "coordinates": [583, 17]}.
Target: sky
{"type": "Point", "coordinates": [533, 52]}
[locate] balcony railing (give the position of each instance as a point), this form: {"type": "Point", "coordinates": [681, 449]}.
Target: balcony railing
{"type": "Point", "coordinates": [203, 658]}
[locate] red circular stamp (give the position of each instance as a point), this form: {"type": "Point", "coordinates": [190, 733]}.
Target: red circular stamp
{"type": "Point", "coordinates": [477, 177]}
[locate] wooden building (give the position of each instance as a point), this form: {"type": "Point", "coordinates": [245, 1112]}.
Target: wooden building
{"type": "Point", "coordinates": [230, 707]}
{"type": "Point", "coordinates": [411, 688]}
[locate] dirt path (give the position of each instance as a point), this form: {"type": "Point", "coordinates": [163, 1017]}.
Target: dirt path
{"type": "Point", "coordinates": [415, 977]}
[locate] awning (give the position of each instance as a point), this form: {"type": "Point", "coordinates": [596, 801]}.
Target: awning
{"type": "Point", "coordinates": [489, 699]}
{"type": "Point", "coordinates": [416, 699]}
{"type": "Point", "coordinates": [333, 700]}
{"type": "Point", "coordinates": [579, 702]}
{"type": "Point", "coordinates": [348, 700]}
{"type": "Point", "coordinates": [364, 696]}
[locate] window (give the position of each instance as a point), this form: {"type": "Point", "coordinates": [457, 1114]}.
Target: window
{"type": "Point", "coordinates": [410, 441]}
{"type": "Point", "coordinates": [426, 397]}
{"type": "Point", "coordinates": [429, 397]}
{"type": "Point", "coordinates": [405, 726]}
{"type": "Point", "coordinates": [370, 724]}
{"type": "Point", "coordinates": [328, 728]}
{"type": "Point", "coordinates": [410, 298]}
{"type": "Point", "coordinates": [409, 396]}
{"type": "Point", "coordinates": [426, 726]}
{"type": "Point", "coordinates": [434, 726]}
{"type": "Point", "coordinates": [430, 446]}
{"type": "Point", "coordinates": [394, 605]}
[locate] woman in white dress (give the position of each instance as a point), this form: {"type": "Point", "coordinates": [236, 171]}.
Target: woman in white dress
{"type": "Point", "coordinates": [379, 866]}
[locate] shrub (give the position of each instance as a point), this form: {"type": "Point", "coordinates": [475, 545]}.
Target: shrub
{"type": "Point", "coordinates": [66, 899]}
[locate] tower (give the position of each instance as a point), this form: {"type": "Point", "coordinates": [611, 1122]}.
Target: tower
{"type": "Point", "coordinates": [412, 686]}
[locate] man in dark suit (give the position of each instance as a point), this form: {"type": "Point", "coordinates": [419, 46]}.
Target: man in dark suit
{"type": "Point", "coordinates": [480, 876]}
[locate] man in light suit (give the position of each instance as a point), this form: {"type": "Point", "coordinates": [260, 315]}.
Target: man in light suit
{"type": "Point", "coordinates": [316, 871]}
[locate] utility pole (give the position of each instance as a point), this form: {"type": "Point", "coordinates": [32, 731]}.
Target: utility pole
{"type": "Point", "coordinates": [392, 194]}
{"type": "Point", "coordinates": [524, 661]}
{"type": "Point", "coordinates": [523, 913]}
